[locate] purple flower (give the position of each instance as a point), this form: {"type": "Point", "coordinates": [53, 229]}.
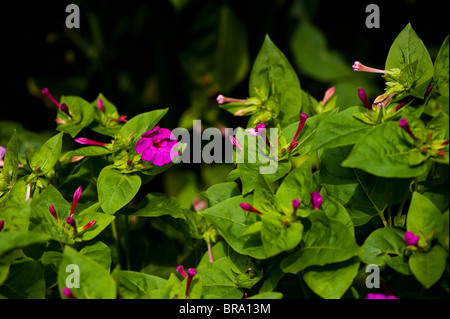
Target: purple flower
{"type": "Point", "coordinates": [411, 239]}
{"type": "Point", "coordinates": [403, 123]}
{"type": "Point", "coordinates": [67, 292]}
{"type": "Point", "coordinates": [71, 221]}
{"type": "Point", "coordinates": [76, 198]}
{"type": "Point", "coordinates": [157, 145]}
{"type": "Point", "coordinates": [87, 141]}
{"type": "Point", "coordinates": [2, 152]}
{"type": "Point", "coordinates": [236, 143]}
{"type": "Point", "coordinates": [294, 143]}
{"type": "Point", "coordinates": [191, 273]}
{"type": "Point", "coordinates": [379, 296]}
{"type": "Point", "coordinates": [316, 200]}
{"type": "Point", "coordinates": [2, 224]}
{"type": "Point", "coordinates": [53, 211]}
{"type": "Point", "coordinates": [363, 97]}
{"type": "Point", "coordinates": [249, 208]}
{"type": "Point", "coordinates": [180, 269]}
{"type": "Point", "coordinates": [295, 204]}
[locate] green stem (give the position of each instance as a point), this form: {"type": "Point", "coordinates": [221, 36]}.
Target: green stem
{"type": "Point", "coordinates": [388, 202]}
{"type": "Point", "coordinates": [116, 240]}
{"type": "Point", "coordinates": [127, 243]}
{"type": "Point", "coordinates": [416, 184]}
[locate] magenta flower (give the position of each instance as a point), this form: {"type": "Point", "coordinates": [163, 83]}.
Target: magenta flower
{"type": "Point", "coordinates": [87, 141]}
{"type": "Point", "coordinates": [411, 239]}
{"type": "Point", "coordinates": [379, 296]}
{"type": "Point", "coordinates": [403, 123]}
{"type": "Point", "coordinates": [358, 66]}
{"type": "Point", "coordinates": [53, 211]}
{"type": "Point", "coordinates": [254, 131]}
{"type": "Point", "coordinates": [49, 95]}
{"type": "Point", "coordinates": [191, 273]}
{"type": "Point", "coordinates": [67, 292]}
{"type": "Point", "coordinates": [88, 225]}
{"type": "Point", "coordinates": [76, 198]}
{"type": "Point", "coordinates": [2, 152]}
{"type": "Point", "coordinates": [180, 269]}
{"type": "Point", "coordinates": [100, 105]}
{"type": "Point", "coordinates": [235, 143]}
{"type": "Point", "coordinates": [295, 204]}
{"type": "Point", "coordinates": [249, 208]}
{"type": "Point", "coordinates": [363, 97]}
{"type": "Point", "coordinates": [121, 118]}
{"type": "Point", "coordinates": [294, 143]}
{"type": "Point", "coordinates": [316, 200]}
{"type": "Point", "coordinates": [157, 146]}
{"type": "Point", "coordinates": [65, 109]}
{"type": "Point", "coordinates": [2, 224]}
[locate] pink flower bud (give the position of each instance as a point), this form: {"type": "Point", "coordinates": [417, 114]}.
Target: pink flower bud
{"type": "Point", "coordinates": [86, 141]}
{"type": "Point", "coordinates": [88, 225]}
{"type": "Point", "coordinates": [191, 273]}
{"type": "Point", "coordinates": [363, 97]}
{"type": "Point", "coordinates": [2, 224]}
{"type": "Point", "coordinates": [249, 208]}
{"type": "Point", "coordinates": [76, 198]}
{"type": "Point", "coordinates": [235, 143]}
{"type": "Point", "coordinates": [71, 221]}
{"type": "Point", "coordinates": [53, 211]}
{"type": "Point", "coordinates": [100, 105]}
{"type": "Point", "coordinates": [403, 123]}
{"type": "Point", "coordinates": [67, 292]}
{"type": "Point", "coordinates": [316, 200]}
{"type": "Point", "coordinates": [328, 95]}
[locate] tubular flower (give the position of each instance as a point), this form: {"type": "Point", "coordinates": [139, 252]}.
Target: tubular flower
{"type": "Point", "coordinates": [49, 95]}
{"type": "Point", "coordinates": [87, 141]}
{"type": "Point", "coordinates": [65, 109]}
{"type": "Point", "coordinates": [249, 208]}
{"type": "Point", "coordinates": [87, 226]}
{"type": "Point", "coordinates": [411, 239]}
{"type": "Point", "coordinates": [363, 97]}
{"type": "Point", "coordinates": [121, 118]}
{"type": "Point", "coordinates": [403, 123]}
{"type": "Point", "coordinates": [157, 146]}
{"type": "Point", "coordinates": [2, 224]}
{"type": "Point", "coordinates": [180, 269]}
{"type": "Point", "coordinates": [76, 198]}
{"type": "Point", "coordinates": [254, 131]}
{"type": "Point", "coordinates": [191, 273]}
{"type": "Point", "coordinates": [71, 221]}
{"type": "Point", "coordinates": [235, 143]}
{"type": "Point", "coordinates": [295, 204]}
{"type": "Point", "coordinates": [358, 66]}
{"type": "Point", "coordinates": [316, 200]}
{"type": "Point", "coordinates": [386, 101]}
{"type": "Point", "coordinates": [222, 99]}
{"type": "Point", "coordinates": [294, 143]}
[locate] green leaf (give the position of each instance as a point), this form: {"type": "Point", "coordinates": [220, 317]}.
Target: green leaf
{"type": "Point", "coordinates": [158, 204]}
{"type": "Point", "coordinates": [313, 57]}
{"type": "Point", "coordinates": [89, 151]}
{"type": "Point", "coordinates": [272, 74]}
{"type": "Point", "coordinates": [382, 245]}
{"type": "Point", "coordinates": [11, 160]}
{"type": "Point", "coordinates": [406, 49]}
{"type": "Point", "coordinates": [428, 266]}
{"type": "Point", "coordinates": [277, 237]}
{"type": "Point", "coordinates": [326, 242]}
{"type": "Point", "coordinates": [232, 221]}
{"type": "Point", "coordinates": [115, 189]}
{"type": "Point", "coordinates": [46, 156]}
{"type": "Point", "coordinates": [297, 184]}
{"type": "Point", "coordinates": [82, 113]}
{"type": "Point", "coordinates": [423, 219]}
{"type": "Point", "coordinates": [141, 123]}
{"type": "Point", "coordinates": [333, 280]}
{"type": "Point", "coordinates": [384, 152]}
{"type": "Point", "coordinates": [441, 69]}
{"type": "Point", "coordinates": [95, 282]}
{"type": "Point", "coordinates": [25, 281]}
{"type": "Point", "coordinates": [263, 197]}
{"type": "Point", "coordinates": [231, 61]}
{"type": "Point", "coordinates": [16, 239]}
{"type": "Point", "coordinates": [221, 191]}
{"type": "Point", "coordinates": [99, 252]}
{"type": "Point", "coordinates": [340, 129]}
{"type": "Point", "coordinates": [134, 285]}
{"type": "Point", "coordinates": [218, 280]}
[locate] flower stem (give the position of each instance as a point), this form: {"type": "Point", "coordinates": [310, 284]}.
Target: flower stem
{"type": "Point", "coordinates": [116, 240]}
{"type": "Point", "coordinates": [127, 243]}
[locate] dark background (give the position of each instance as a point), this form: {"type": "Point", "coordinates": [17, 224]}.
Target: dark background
{"type": "Point", "coordinates": [137, 48]}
